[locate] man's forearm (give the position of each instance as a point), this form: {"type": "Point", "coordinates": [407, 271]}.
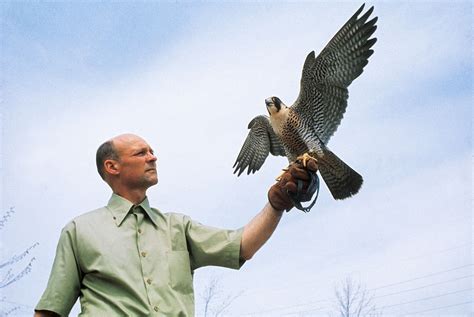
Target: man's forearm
{"type": "Point", "coordinates": [259, 230]}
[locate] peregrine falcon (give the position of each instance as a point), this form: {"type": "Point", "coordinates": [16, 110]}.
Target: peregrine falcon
{"type": "Point", "coordinates": [304, 129]}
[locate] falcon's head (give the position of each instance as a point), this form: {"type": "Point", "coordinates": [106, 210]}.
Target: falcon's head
{"type": "Point", "coordinates": [274, 105]}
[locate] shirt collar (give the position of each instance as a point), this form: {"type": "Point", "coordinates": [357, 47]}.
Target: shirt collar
{"type": "Point", "coordinates": [120, 207]}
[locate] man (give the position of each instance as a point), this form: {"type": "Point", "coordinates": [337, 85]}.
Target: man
{"type": "Point", "coordinates": [128, 259]}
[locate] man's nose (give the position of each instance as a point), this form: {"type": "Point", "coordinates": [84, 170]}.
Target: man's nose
{"type": "Point", "coordinates": [151, 157]}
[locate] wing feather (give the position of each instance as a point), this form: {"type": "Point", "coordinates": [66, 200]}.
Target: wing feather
{"type": "Point", "coordinates": [325, 79]}
{"type": "Point", "coordinates": [260, 141]}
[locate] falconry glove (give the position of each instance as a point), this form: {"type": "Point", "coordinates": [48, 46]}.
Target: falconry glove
{"type": "Point", "coordinates": [297, 184]}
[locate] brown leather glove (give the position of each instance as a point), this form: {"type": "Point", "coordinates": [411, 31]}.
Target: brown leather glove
{"type": "Point", "coordinates": [278, 195]}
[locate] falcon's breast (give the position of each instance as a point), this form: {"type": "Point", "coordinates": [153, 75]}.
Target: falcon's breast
{"type": "Point", "coordinates": [291, 132]}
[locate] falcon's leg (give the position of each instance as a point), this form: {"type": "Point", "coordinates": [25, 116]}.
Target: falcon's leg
{"type": "Point", "coordinates": [306, 157]}
{"type": "Point", "coordinates": [303, 159]}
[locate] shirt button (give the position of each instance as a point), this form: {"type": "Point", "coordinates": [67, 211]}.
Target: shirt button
{"type": "Point", "coordinates": [148, 281]}
{"type": "Point", "coordinates": [143, 254]}
{"type": "Point", "coordinates": [155, 308]}
{"type": "Point", "coordinates": [139, 230]}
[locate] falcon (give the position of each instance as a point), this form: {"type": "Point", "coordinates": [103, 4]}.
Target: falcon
{"type": "Point", "coordinates": [303, 130]}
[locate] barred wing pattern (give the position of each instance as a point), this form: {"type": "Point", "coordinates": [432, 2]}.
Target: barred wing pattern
{"type": "Point", "coordinates": [260, 141]}
{"type": "Point", "coordinates": [323, 93]}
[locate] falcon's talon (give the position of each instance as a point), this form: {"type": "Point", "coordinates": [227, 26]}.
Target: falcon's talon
{"type": "Point", "coordinates": [305, 158]}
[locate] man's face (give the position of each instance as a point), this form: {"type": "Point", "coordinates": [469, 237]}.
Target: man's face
{"type": "Point", "coordinates": [137, 162]}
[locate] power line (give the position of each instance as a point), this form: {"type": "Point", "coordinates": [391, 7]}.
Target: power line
{"type": "Point", "coordinates": [421, 277]}
{"type": "Point", "coordinates": [409, 302]}
{"type": "Point", "coordinates": [427, 298]}
{"type": "Point", "coordinates": [380, 287]}
{"type": "Point", "coordinates": [428, 254]}
{"type": "Point", "coordinates": [366, 268]}
{"type": "Point", "coordinates": [425, 286]}
{"type": "Point", "coordinates": [422, 311]}
{"type": "Point", "coordinates": [424, 255]}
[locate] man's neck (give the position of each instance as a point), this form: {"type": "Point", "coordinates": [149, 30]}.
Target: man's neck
{"type": "Point", "coordinates": [134, 196]}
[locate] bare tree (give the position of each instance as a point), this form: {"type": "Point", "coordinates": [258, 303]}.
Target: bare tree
{"type": "Point", "coordinates": [13, 269]}
{"type": "Point", "coordinates": [353, 300]}
{"type": "Point", "coordinates": [215, 299]}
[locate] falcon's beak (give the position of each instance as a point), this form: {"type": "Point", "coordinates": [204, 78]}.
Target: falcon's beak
{"type": "Point", "coordinates": [268, 102]}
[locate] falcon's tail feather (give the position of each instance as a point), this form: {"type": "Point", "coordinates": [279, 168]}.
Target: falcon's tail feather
{"type": "Point", "coordinates": [341, 179]}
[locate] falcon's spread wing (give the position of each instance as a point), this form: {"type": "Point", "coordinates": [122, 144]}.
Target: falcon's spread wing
{"type": "Point", "coordinates": [260, 141]}
{"type": "Point", "coordinates": [323, 93]}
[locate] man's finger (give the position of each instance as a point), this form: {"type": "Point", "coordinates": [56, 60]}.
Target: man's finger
{"type": "Point", "coordinates": [291, 187]}
{"type": "Point", "coordinates": [299, 172]}
{"type": "Point", "coordinates": [312, 165]}
{"type": "Point", "coordinates": [285, 178]}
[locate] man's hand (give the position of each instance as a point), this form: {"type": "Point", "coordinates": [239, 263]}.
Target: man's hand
{"type": "Point", "coordinates": [278, 195]}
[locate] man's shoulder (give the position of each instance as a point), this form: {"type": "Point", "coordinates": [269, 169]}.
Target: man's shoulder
{"type": "Point", "coordinates": [98, 212]}
{"type": "Point", "coordinates": [174, 216]}
{"type": "Point", "coordinates": [91, 216]}
{"type": "Point", "coordinates": [85, 220]}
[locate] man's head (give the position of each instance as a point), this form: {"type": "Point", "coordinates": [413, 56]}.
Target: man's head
{"type": "Point", "coordinates": [106, 151]}
{"type": "Point", "coordinates": [127, 162]}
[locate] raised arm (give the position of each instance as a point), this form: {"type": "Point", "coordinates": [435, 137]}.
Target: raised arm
{"type": "Point", "coordinates": [261, 228]}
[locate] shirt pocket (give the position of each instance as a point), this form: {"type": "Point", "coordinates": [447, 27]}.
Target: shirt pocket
{"type": "Point", "coordinates": [179, 265]}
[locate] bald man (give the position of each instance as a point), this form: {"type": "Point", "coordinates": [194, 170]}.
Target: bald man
{"type": "Point", "coordinates": [129, 259]}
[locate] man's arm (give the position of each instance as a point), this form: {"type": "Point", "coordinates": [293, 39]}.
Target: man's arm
{"type": "Point", "coordinates": [259, 230]}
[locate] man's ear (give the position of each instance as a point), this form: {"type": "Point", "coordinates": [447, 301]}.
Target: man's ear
{"type": "Point", "coordinates": [112, 167]}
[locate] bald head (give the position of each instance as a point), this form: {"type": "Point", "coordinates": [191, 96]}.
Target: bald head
{"type": "Point", "coordinates": [127, 163]}
{"type": "Point", "coordinates": [110, 150]}
{"type": "Point", "coordinates": [127, 160]}
{"type": "Point", "coordinates": [126, 140]}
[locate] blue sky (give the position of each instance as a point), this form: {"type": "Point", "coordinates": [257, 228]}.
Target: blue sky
{"type": "Point", "coordinates": [189, 77]}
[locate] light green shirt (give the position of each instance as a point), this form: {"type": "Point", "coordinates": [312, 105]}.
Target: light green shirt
{"type": "Point", "coordinates": [126, 260]}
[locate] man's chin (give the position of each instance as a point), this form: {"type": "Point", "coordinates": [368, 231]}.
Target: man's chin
{"type": "Point", "coordinates": [153, 181]}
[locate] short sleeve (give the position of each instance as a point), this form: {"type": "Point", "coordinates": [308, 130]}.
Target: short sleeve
{"type": "Point", "coordinates": [213, 246]}
{"type": "Point", "coordinates": [65, 280]}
